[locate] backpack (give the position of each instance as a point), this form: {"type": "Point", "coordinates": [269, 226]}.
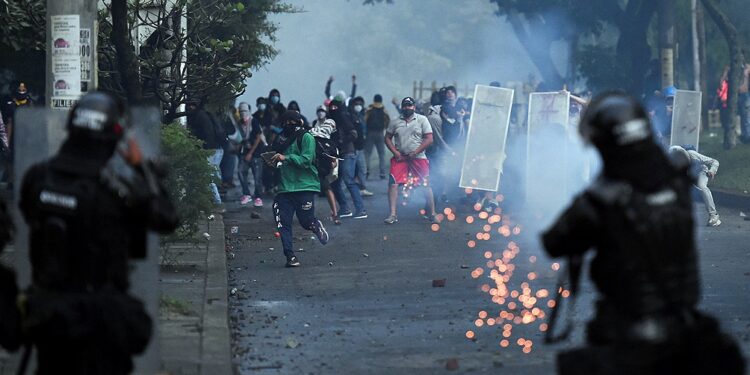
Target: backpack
{"type": "Point", "coordinates": [324, 150]}
{"type": "Point", "coordinates": [376, 119]}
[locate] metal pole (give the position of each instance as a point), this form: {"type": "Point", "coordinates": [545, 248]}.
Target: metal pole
{"type": "Point", "coordinates": [71, 51]}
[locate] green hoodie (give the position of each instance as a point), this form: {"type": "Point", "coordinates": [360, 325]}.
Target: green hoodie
{"type": "Point", "coordinates": [298, 171]}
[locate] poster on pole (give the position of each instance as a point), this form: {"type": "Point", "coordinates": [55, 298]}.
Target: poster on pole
{"type": "Point", "coordinates": [66, 60]}
{"type": "Point", "coordinates": [546, 148]}
{"type": "Point", "coordinates": [85, 59]}
{"type": "Point", "coordinates": [484, 153]}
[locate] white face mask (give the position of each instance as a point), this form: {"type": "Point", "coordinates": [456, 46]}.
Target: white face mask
{"type": "Point", "coordinates": [321, 115]}
{"type": "Point", "coordinates": [261, 107]}
{"type": "Point", "coordinates": [358, 108]}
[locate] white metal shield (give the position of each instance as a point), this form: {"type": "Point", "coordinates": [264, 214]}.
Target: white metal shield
{"type": "Point", "coordinates": [547, 146]}
{"type": "Point", "coordinates": [484, 152]}
{"type": "Point", "coordinates": [686, 118]}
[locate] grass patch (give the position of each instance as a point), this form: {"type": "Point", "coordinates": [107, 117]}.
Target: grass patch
{"type": "Point", "coordinates": [171, 305]}
{"type": "Point", "coordinates": [734, 164]}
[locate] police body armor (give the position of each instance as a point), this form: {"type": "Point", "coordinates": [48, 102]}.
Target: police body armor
{"type": "Point", "coordinates": [645, 267]}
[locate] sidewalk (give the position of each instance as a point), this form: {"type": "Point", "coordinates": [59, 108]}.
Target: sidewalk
{"type": "Point", "coordinates": [193, 319]}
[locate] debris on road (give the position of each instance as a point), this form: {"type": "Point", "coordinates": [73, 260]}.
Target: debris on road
{"type": "Point", "coordinates": [463, 267]}
{"type": "Point", "coordinates": [234, 229]}
{"type": "Point", "coordinates": [452, 364]}
{"type": "Point", "coordinates": [233, 291]}
{"type": "Point", "coordinates": [254, 215]}
{"type": "Point", "coordinates": [291, 343]}
{"type": "Point", "coordinates": [438, 283]}
{"type": "Point", "coordinates": [330, 264]}
{"type": "Point", "coordinates": [365, 255]}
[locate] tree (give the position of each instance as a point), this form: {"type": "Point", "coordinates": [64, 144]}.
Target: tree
{"type": "Point", "coordinates": [203, 49]}
{"type": "Point", "coordinates": [736, 66]}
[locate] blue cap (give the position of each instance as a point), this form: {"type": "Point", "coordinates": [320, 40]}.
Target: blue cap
{"type": "Point", "coordinates": [670, 92]}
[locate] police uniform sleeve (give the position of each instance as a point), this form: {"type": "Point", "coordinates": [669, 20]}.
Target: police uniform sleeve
{"type": "Point", "coordinates": [573, 232]}
{"type": "Point", "coordinates": [161, 214]}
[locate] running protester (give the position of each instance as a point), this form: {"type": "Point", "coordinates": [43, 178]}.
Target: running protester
{"type": "Point", "coordinates": [409, 165]}
{"type": "Point", "coordinates": [298, 184]}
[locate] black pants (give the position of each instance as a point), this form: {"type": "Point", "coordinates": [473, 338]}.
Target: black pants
{"type": "Point", "coordinates": [285, 206]}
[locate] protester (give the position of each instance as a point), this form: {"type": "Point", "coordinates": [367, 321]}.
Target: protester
{"type": "Point", "coordinates": [294, 106]}
{"type": "Point", "coordinates": [744, 104]}
{"type": "Point", "coordinates": [376, 120]}
{"type": "Point", "coordinates": [708, 168]}
{"type": "Point", "coordinates": [249, 155]}
{"type": "Point", "coordinates": [271, 129]}
{"type": "Point", "coordinates": [439, 150]}
{"type": "Point", "coordinates": [409, 164]}
{"type": "Point", "coordinates": [327, 90]}
{"type": "Point", "coordinates": [347, 167]}
{"type": "Point", "coordinates": [298, 185]}
{"type": "Point", "coordinates": [19, 98]}
{"type": "Point", "coordinates": [201, 125]}
{"type": "Point", "coordinates": [326, 138]}
{"type": "Point", "coordinates": [231, 145]}
{"type": "Point", "coordinates": [357, 113]}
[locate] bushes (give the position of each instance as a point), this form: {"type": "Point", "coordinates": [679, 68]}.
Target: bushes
{"type": "Point", "coordinates": [188, 179]}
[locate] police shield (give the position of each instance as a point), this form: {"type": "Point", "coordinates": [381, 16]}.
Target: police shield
{"type": "Point", "coordinates": [547, 144]}
{"type": "Point", "coordinates": [686, 118]}
{"type": "Point", "coordinates": [484, 152]}
{"type": "Point", "coordinates": [38, 135]}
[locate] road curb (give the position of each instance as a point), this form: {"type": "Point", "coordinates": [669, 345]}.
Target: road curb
{"type": "Point", "coordinates": [215, 340]}
{"type": "Point", "coordinates": [731, 199]}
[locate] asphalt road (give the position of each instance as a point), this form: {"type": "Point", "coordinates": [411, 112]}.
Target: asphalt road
{"type": "Point", "coordinates": [365, 303]}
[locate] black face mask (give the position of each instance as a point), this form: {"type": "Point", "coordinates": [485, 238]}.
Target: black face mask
{"type": "Point", "coordinates": [22, 95]}
{"type": "Point", "coordinates": [407, 112]}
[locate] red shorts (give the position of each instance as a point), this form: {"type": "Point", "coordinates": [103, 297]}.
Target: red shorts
{"type": "Point", "coordinates": [418, 169]}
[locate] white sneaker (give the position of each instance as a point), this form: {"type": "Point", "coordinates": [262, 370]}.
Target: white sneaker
{"type": "Point", "coordinates": [245, 199]}
{"type": "Point", "coordinates": [366, 193]}
{"type": "Point", "coordinates": [714, 221]}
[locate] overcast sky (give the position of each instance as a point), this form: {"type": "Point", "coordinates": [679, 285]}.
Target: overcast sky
{"type": "Point", "coordinates": [388, 47]}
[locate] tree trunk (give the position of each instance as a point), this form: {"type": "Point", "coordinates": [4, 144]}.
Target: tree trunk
{"type": "Point", "coordinates": [697, 69]}
{"type": "Point", "coordinates": [632, 46]}
{"type": "Point", "coordinates": [666, 41]}
{"type": "Point", "coordinates": [735, 67]}
{"type": "Point", "coordinates": [538, 52]}
{"type": "Point", "coordinates": [701, 26]}
{"type": "Point", "coordinates": [127, 64]}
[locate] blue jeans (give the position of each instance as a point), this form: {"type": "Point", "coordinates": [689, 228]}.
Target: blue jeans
{"type": "Point", "coordinates": [347, 170]}
{"type": "Point", "coordinates": [256, 166]}
{"type": "Point", "coordinates": [744, 109]}
{"type": "Point", "coordinates": [285, 205]}
{"type": "Point", "coordinates": [215, 160]}
{"type": "Point", "coordinates": [361, 169]}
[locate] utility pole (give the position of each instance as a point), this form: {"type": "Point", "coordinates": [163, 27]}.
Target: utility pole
{"type": "Point", "coordinates": [71, 51]}
{"type": "Point", "coordinates": [697, 68]}
{"type": "Point", "coordinates": [666, 41]}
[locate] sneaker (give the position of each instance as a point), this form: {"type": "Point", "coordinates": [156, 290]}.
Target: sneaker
{"type": "Point", "coordinates": [320, 231]}
{"type": "Point", "coordinates": [366, 193]}
{"type": "Point", "coordinates": [292, 262]}
{"type": "Point", "coordinates": [714, 221]}
{"type": "Point", "coordinates": [391, 219]}
{"type": "Point", "coordinates": [346, 214]}
{"type": "Point", "coordinates": [361, 215]}
{"type": "Point", "coordinates": [245, 199]}
{"type": "Point", "coordinates": [258, 202]}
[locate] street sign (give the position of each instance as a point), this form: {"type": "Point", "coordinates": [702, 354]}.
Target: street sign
{"type": "Point", "coordinates": [484, 152]}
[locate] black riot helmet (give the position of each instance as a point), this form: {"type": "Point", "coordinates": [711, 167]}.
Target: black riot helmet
{"type": "Point", "coordinates": [97, 116]}
{"type": "Point", "coordinates": [615, 120]}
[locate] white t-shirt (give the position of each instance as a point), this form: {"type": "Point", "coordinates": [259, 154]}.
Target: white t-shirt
{"type": "Point", "coordinates": [408, 136]}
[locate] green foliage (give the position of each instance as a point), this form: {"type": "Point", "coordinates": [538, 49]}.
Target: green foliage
{"type": "Point", "coordinates": [734, 170]}
{"type": "Point", "coordinates": [22, 24]}
{"type": "Point", "coordinates": [189, 177]}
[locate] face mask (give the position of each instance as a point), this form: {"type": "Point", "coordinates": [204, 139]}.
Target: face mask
{"type": "Point", "coordinates": [358, 108]}
{"type": "Point", "coordinates": [245, 116]}
{"type": "Point", "coordinates": [321, 116]}
{"type": "Point", "coordinates": [261, 107]}
{"type": "Point", "coordinates": [275, 99]}
{"type": "Point", "coordinates": [450, 120]}
{"type": "Point", "coordinates": [407, 112]}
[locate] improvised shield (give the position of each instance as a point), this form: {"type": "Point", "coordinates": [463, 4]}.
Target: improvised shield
{"type": "Point", "coordinates": [686, 118]}
{"type": "Point", "coordinates": [547, 148]}
{"type": "Point", "coordinates": [484, 152]}
{"type": "Point", "coordinates": [38, 135]}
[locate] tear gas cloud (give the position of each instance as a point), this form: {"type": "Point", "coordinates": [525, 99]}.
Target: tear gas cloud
{"type": "Point", "coordinates": [390, 46]}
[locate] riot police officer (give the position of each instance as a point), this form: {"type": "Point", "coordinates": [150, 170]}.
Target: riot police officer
{"type": "Point", "coordinates": [638, 217]}
{"type": "Point", "coordinates": [85, 222]}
